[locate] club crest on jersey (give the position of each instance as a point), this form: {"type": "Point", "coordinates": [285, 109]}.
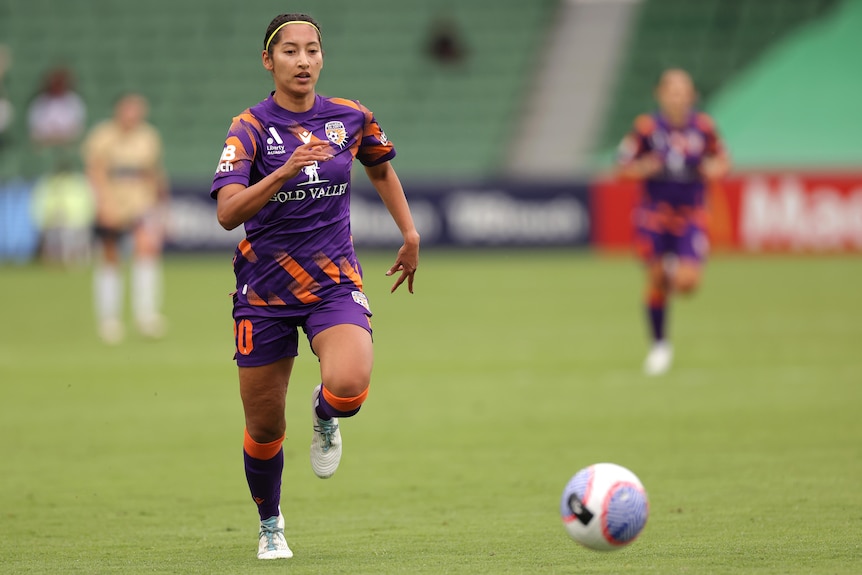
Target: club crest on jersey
{"type": "Point", "coordinates": [336, 132]}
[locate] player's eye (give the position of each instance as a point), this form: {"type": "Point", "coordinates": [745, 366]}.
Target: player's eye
{"type": "Point", "coordinates": [290, 52]}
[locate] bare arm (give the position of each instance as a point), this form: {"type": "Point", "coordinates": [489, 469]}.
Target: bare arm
{"type": "Point", "coordinates": [238, 203]}
{"type": "Point", "coordinates": [388, 186]}
{"type": "Point", "coordinates": [641, 168]}
{"type": "Point", "coordinates": [715, 167]}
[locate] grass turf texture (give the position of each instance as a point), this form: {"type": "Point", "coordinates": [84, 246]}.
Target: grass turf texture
{"type": "Point", "coordinates": [501, 377]}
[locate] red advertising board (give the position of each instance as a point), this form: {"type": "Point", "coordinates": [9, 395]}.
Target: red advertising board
{"type": "Point", "coordinates": [756, 212]}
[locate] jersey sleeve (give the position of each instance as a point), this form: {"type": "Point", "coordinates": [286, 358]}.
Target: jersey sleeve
{"type": "Point", "coordinates": [238, 154]}
{"type": "Point", "coordinates": [374, 148]}
{"type": "Point", "coordinates": [713, 145]}
{"type": "Point", "coordinates": [637, 142]}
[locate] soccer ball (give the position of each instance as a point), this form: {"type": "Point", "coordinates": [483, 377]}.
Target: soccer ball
{"type": "Point", "coordinates": [604, 507]}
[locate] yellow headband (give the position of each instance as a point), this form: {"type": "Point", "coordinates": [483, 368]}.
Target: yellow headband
{"type": "Point", "coordinates": [274, 32]}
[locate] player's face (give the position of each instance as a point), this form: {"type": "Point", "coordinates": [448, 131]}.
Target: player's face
{"type": "Point", "coordinates": [675, 94]}
{"type": "Point", "coordinates": [296, 59]}
{"type": "Point", "coordinates": [131, 111]}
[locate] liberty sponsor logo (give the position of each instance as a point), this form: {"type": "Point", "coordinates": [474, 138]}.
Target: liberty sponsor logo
{"type": "Point", "coordinates": [314, 193]}
{"type": "Point", "coordinates": [274, 145]}
{"type": "Point", "coordinates": [336, 132]}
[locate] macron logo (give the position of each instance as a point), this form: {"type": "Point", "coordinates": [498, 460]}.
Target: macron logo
{"type": "Point", "coordinates": [305, 137]}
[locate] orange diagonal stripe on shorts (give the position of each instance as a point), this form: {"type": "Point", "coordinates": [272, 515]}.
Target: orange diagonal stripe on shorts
{"type": "Point", "coordinates": [303, 284]}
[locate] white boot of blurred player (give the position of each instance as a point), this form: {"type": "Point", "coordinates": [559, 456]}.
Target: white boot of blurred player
{"type": "Point", "coordinates": [659, 359]}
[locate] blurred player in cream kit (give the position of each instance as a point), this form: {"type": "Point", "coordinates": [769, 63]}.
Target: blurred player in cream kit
{"type": "Point", "coordinates": [284, 175]}
{"type": "Point", "coordinates": [123, 162]}
{"type": "Point", "coordinates": [675, 152]}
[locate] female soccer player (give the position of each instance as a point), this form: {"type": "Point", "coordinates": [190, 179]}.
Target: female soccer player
{"type": "Point", "coordinates": [675, 152]}
{"type": "Point", "coordinates": [285, 174]}
{"type": "Point", "coordinates": [123, 158]}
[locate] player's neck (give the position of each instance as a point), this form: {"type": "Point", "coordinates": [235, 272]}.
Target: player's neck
{"type": "Point", "coordinates": [677, 119]}
{"type": "Point", "coordinates": [296, 103]}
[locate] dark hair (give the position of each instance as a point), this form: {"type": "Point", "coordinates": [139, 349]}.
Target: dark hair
{"type": "Point", "coordinates": [281, 19]}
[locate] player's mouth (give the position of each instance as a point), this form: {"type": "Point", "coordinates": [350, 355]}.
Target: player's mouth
{"type": "Point", "coordinates": [303, 77]}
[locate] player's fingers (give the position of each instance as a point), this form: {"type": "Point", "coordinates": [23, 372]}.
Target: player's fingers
{"type": "Point", "coordinates": [410, 282]}
{"type": "Point", "coordinates": [398, 282]}
{"type": "Point", "coordinates": [395, 268]}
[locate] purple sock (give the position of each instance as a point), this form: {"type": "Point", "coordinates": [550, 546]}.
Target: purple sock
{"type": "Point", "coordinates": [326, 411]}
{"type": "Point", "coordinates": [264, 482]}
{"type": "Point", "coordinates": [656, 319]}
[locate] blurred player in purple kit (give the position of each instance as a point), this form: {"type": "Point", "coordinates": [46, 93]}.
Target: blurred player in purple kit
{"type": "Point", "coordinates": [284, 173]}
{"type": "Point", "coordinates": [675, 151]}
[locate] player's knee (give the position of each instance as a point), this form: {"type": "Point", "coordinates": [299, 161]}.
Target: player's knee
{"type": "Point", "coordinates": [264, 430]}
{"type": "Point", "coordinates": [347, 384]}
{"type": "Point", "coordinates": [343, 404]}
{"type": "Point", "coordinates": [687, 284]}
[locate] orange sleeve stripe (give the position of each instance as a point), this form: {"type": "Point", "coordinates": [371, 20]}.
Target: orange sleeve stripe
{"type": "Point", "coordinates": [644, 125]}
{"type": "Point", "coordinates": [344, 403]}
{"type": "Point", "coordinates": [345, 102]}
{"type": "Point", "coordinates": [246, 250]}
{"type": "Point", "coordinates": [263, 451]}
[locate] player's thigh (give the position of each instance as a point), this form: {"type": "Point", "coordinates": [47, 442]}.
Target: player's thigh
{"type": "Point", "coordinates": [263, 390]}
{"type": "Point", "coordinates": [346, 358]}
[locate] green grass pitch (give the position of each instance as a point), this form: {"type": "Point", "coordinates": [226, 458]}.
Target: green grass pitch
{"type": "Point", "coordinates": [502, 376]}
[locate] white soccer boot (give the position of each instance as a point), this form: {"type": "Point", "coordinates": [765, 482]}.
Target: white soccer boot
{"type": "Point", "coordinates": [659, 358]}
{"type": "Point", "coordinates": [326, 441]}
{"type": "Point", "coordinates": [111, 331]}
{"type": "Point", "coordinates": [271, 543]}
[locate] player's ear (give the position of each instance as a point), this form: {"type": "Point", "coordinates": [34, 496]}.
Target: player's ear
{"type": "Point", "coordinates": [267, 60]}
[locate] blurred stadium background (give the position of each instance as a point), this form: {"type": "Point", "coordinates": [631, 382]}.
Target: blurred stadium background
{"type": "Point", "coordinates": [506, 145]}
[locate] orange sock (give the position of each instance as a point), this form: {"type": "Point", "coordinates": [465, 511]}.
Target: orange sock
{"type": "Point", "coordinates": [263, 451]}
{"type": "Point", "coordinates": [333, 406]}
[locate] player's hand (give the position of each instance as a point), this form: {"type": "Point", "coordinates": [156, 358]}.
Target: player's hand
{"type": "Point", "coordinates": [712, 169]}
{"type": "Point", "coordinates": [406, 262]}
{"type": "Point", "coordinates": [650, 165]}
{"type": "Point", "coordinates": [306, 155]}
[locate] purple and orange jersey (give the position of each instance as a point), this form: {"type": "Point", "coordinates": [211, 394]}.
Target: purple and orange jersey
{"type": "Point", "coordinates": [299, 247]}
{"type": "Point", "coordinates": [681, 151]}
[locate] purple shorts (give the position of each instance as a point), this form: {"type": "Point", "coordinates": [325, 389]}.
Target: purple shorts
{"type": "Point", "coordinates": [689, 243]}
{"type": "Point", "coordinates": [264, 337]}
